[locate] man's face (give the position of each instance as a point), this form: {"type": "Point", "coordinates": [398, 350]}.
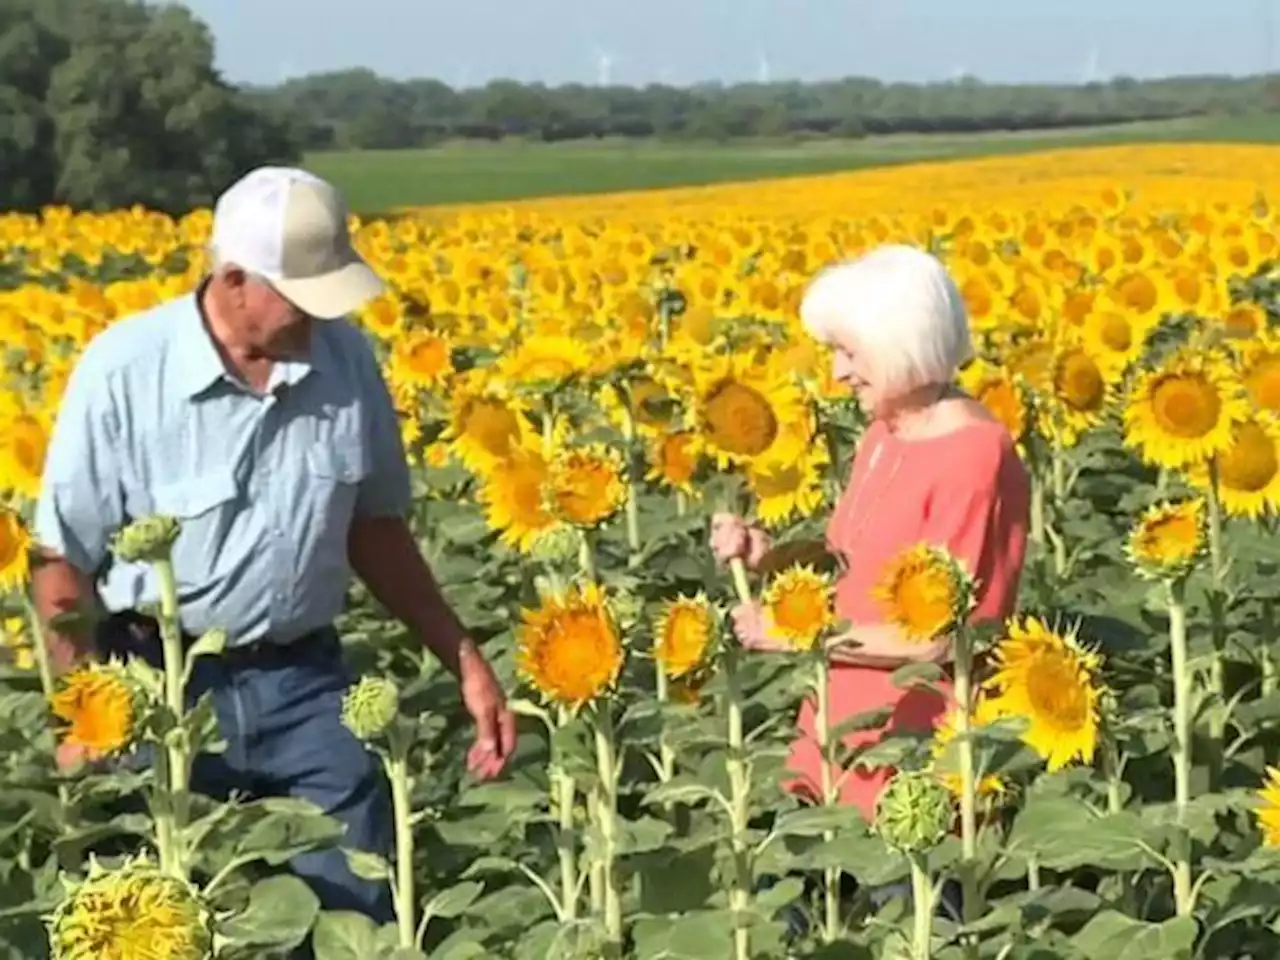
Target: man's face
{"type": "Point", "coordinates": [269, 323]}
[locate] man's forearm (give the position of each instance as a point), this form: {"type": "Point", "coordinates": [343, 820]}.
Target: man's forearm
{"type": "Point", "coordinates": [60, 590]}
{"type": "Point", "coordinates": [385, 556]}
{"type": "Point", "coordinates": [885, 646]}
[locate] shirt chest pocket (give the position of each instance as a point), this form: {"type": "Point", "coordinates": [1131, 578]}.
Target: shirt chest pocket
{"type": "Point", "coordinates": [205, 506]}
{"type": "Point", "coordinates": [333, 473]}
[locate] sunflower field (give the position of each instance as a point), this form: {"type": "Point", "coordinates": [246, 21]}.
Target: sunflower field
{"type": "Point", "coordinates": [583, 383]}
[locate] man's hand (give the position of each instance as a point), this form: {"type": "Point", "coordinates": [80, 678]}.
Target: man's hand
{"type": "Point", "coordinates": [495, 723]}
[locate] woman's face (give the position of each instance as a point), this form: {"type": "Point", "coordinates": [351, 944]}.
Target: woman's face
{"type": "Point", "coordinates": [853, 367]}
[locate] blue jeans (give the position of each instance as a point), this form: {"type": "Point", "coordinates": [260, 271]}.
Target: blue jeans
{"type": "Point", "coordinates": [280, 715]}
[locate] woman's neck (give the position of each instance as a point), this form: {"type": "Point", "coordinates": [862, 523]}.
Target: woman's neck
{"type": "Point", "coordinates": [912, 415]}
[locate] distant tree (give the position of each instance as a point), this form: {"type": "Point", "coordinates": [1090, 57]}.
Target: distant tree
{"type": "Point", "coordinates": [112, 102]}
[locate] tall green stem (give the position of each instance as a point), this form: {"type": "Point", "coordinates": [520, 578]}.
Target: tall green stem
{"type": "Point", "coordinates": [566, 836]}
{"type": "Point", "coordinates": [1218, 627]}
{"type": "Point", "coordinates": [1182, 743]}
{"type": "Point", "coordinates": [739, 782]}
{"type": "Point", "coordinates": [174, 773]}
{"type": "Point", "coordinates": [822, 725]}
{"type": "Point", "coordinates": [968, 775]}
{"type": "Point", "coordinates": [606, 816]}
{"type": "Point", "coordinates": [405, 895]}
{"type": "Point", "coordinates": [922, 907]}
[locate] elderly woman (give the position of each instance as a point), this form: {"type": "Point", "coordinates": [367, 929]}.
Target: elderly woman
{"type": "Point", "coordinates": [932, 466]}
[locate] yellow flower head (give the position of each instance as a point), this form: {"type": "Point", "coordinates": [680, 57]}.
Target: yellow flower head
{"type": "Point", "coordinates": [1267, 813]}
{"type": "Point", "coordinates": [926, 592]}
{"type": "Point", "coordinates": [586, 484]}
{"type": "Point", "coordinates": [1000, 392]}
{"type": "Point", "coordinates": [1248, 470]}
{"type": "Point", "coordinates": [799, 605]}
{"type": "Point", "coordinates": [1168, 539]}
{"type": "Point", "coordinates": [743, 407]}
{"type": "Point", "coordinates": [100, 704]}
{"type": "Point", "coordinates": [683, 634]}
{"type": "Point", "coordinates": [131, 913]}
{"type": "Point", "coordinates": [1048, 679]}
{"type": "Point", "coordinates": [1182, 412]}
{"type": "Point", "coordinates": [514, 499]}
{"type": "Point", "coordinates": [15, 551]}
{"type": "Point", "coordinates": [569, 648]}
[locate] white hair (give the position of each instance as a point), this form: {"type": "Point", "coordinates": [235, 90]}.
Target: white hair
{"type": "Point", "coordinates": [903, 309]}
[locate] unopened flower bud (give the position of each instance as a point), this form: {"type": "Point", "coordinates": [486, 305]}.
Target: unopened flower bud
{"type": "Point", "coordinates": [370, 706]}
{"type": "Point", "coordinates": [148, 540]}
{"type": "Point", "coordinates": [914, 812]}
{"type": "Point", "coordinates": [557, 545]}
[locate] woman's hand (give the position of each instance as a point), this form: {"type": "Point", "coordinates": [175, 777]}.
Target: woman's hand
{"type": "Point", "coordinates": [733, 539]}
{"type": "Point", "coordinates": [751, 625]}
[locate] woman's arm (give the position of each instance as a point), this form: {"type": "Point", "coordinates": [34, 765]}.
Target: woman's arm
{"type": "Point", "coordinates": [884, 645]}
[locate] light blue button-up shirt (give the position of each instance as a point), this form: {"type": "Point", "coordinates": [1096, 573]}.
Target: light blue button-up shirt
{"type": "Point", "coordinates": [264, 486]}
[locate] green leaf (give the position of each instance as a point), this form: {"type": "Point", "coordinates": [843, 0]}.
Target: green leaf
{"type": "Point", "coordinates": [1113, 936]}
{"type": "Point", "coordinates": [345, 935]}
{"type": "Point", "coordinates": [280, 913]}
{"type": "Point", "coordinates": [454, 901]}
{"type": "Point", "coordinates": [366, 865]}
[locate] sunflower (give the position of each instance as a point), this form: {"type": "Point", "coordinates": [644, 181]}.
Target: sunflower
{"type": "Point", "coordinates": [421, 359]}
{"type": "Point", "coordinates": [586, 484]}
{"type": "Point", "coordinates": [24, 441]}
{"type": "Point", "coordinates": [99, 703]}
{"type": "Point", "coordinates": [1248, 470]}
{"type": "Point", "coordinates": [15, 550]}
{"type": "Point", "coordinates": [925, 591]}
{"type": "Point", "coordinates": [1079, 395]}
{"type": "Point", "coordinates": [1260, 371]}
{"type": "Point", "coordinates": [1183, 411]}
{"type": "Point", "coordinates": [1168, 539]}
{"type": "Point", "coordinates": [486, 424]}
{"type": "Point", "coordinates": [544, 362]}
{"type": "Point", "coordinates": [674, 460]}
{"type": "Point", "coordinates": [984, 713]}
{"type": "Point", "coordinates": [742, 408]}
{"type": "Point", "coordinates": [514, 499]}
{"type": "Point", "coordinates": [1267, 813]}
{"type": "Point", "coordinates": [569, 648]}
{"type": "Point", "coordinates": [683, 634]}
{"type": "Point", "coordinates": [1116, 338]}
{"type": "Point", "coordinates": [134, 912]}
{"type": "Point", "coordinates": [787, 481]}
{"type": "Point", "coordinates": [1000, 392]}
{"type": "Point", "coordinates": [1051, 681]}
{"type": "Point", "coordinates": [799, 606]}
{"type": "Point", "coordinates": [15, 640]}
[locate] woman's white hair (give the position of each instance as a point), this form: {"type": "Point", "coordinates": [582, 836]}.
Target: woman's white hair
{"type": "Point", "coordinates": [903, 309]}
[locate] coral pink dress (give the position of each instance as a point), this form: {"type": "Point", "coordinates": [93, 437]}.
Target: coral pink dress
{"type": "Point", "coordinates": [967, 491]}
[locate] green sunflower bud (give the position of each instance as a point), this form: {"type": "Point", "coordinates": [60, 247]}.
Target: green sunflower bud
{"type": "Point", "coordinates": [914, 812]}
{"type": "Point", "coordinates": [627, 608]}
{"type": "Point", "coordinates": [370, 706]}
{"type": "Point", "coordinates": [557, 545]}
{"type": "Point", "coordinates": [148, 540]}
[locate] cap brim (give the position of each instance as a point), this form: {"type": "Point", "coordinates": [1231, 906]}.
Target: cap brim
{"type": "Point", "coordinates": [334, 295]}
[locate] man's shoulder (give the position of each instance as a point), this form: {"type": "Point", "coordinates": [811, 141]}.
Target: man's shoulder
{"type": "Point", "coordinates": [134, 343]}
{"type": "Point", "coordinates": [351, 348]}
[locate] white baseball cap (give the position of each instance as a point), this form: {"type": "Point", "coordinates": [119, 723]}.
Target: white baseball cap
{"type": "Point", "coordinates": [290, 227]}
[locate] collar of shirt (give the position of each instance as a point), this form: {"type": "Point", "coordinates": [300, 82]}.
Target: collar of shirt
{"type": "Point", "coordinates": [199, 366]}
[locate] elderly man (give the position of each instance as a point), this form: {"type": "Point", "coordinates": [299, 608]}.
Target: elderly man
{"type": "Point", "coordinates": [255, 415]}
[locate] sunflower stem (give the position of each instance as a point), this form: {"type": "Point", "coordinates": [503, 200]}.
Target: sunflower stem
{"type": "Point", "coordinates": [1182, 889]}
{"type": "Point", "coordinates": [634, 466]}
{"type": "Point", "coordinates": [397, 768]}
{"type": "Point", "coordinates": [739, 803]}
{"type": "Point", "coordinates": [968, 776]}
{"type": "Point", "coordinates": [922, 908]}
{"type": "Point", "coordinates": [1268, 631]}
{"type": "Point", "coordinates": [666, 754]}
{"type": "Point", "coordinates": [1058, 469]}
{"type": "Point", "coordinates": [566, 836]}
{"type": "Point", "coordinates": [45, 667]}
{"type": "Point", "coordinates": [1217, 622]}
{"type": "Point", "coordinates": [822, 727]}
{"type": "Point", "coordinates": [174, 782]}
{"type": "Point", "coordinates": [1037, 509]}
{"type": "Point", "coordinates": [587, 557]}
{"type": "Point", "coordinates": [606, 817]}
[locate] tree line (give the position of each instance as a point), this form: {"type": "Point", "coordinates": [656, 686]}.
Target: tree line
{"type": "Point", "coordinates": [110, 103]}
{"type": "Point", "coordinates": [358, 109]}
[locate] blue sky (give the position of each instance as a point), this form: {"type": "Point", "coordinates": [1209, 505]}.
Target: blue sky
{"type": "Point", "coordinates": [467, 42]}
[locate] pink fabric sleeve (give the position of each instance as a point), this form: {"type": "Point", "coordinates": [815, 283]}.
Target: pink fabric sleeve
{"type": "Point", "coordinates": [979, 511]}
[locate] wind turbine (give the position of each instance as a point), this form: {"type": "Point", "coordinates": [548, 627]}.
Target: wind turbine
{"type": "Point", "coordinates": [763, 74]}
{"type": "Point", "coordinates": [604, 66]}
{"type": "Point", "coordinates": [1092, 72]}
